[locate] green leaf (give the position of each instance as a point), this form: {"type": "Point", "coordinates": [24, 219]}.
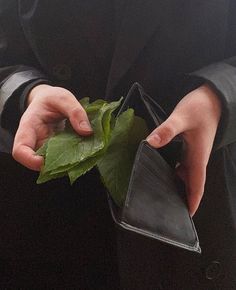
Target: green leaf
{"type": "Point", "coordinates": [112, 147]}
{"type": "Point", "coordinates": [48, 176]}
{"type": "Point", "coordinates": [116, 165]}
{"type": "Point", "coordinates": [84, 102]}
{"type": "Point", "coordinates": [96, 105]}
{"type": "Point", "coordinates": [83, 167]}
{"type": "Point", "coordinates": [89, 163]}
{"type": "Point", "coordinates": [66, 150]}
{"type": "Point", "coordinates": [43, 149]}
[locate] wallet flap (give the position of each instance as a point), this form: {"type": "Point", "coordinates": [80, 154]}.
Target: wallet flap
{"type": "Point", "coordinates": [154, 206]}
{"type": "Point", "coordinates": [144, 106]}
{"type": "Point", "coordinates": [147, 108]}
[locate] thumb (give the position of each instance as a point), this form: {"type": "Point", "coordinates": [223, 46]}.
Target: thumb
{"type": "Point", "coordinates": [73, 110]}
{"type": "Point", "coordinates": [163, 134]}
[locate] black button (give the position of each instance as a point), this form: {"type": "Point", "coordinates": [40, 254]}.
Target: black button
{"type": "Point", "coordinates": [62, 72]}
{"type": "Point", "coordinates": [213, 270]}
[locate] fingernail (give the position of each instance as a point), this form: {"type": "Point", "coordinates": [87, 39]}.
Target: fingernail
{"type": "Point", "coordinates": [154, 139]}
{"type": "Point", "coordinates": [84, 125]}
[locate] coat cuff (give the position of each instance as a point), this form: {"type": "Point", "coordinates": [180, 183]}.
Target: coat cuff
{"type": "Point", "coordinates": [13, 94]}
{"type": "Point", "coordinates": [222, 78]}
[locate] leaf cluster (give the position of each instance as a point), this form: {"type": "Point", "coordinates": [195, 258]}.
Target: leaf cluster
{"type": "Point", "coordinates": [111, 147]}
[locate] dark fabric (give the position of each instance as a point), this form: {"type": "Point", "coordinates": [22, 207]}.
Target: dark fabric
{"type": "Point", "coordinates": [70, 39]}
{"type": "Point", "coordinates": [222, 78]}
{"type": "Point", "coordinates": [99, 49]}
{"type": "Point", "coordinates": [103, 54]}
{"type": "Point", "coordinates": [6, 140]}
{"type": "Point", "coordinates": [147, 264]}
{"type": "Point", "coordinates": [54, 236]}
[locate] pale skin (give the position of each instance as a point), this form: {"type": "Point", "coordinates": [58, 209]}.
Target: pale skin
{"type": "Point", "coordinates": [195, 118]}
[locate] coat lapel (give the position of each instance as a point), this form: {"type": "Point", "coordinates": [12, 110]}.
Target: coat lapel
{"type": "Point", "coordinates": [140, 20]}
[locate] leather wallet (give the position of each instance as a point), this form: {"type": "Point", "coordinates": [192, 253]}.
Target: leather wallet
{"type": "Point", "coordinates": [155, 204]}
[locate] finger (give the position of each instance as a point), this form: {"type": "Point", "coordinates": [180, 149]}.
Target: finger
{"type": "Point", "coordinates": [69, 106]}
{"type": "Point", "coordinates": [195, 187]}
{"type": "Point", "coordinates": [194, 174]}
{"type": "Point", "coordinates": [181, 172]}
{"type": "Point", "coordinates": [194, 181]}
{"type": "Point", "coordinates": [163, 134]}
{"type": "Point", "coordinates": [23, 148]}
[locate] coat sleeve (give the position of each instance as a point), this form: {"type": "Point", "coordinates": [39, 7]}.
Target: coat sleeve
{"type": "Point", "coordinates": [19, 68]}
{"type": "Point", "coordinates": [222, 78]}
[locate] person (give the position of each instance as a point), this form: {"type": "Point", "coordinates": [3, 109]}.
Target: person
{"type": "Point", "coordinates": [54, 53]}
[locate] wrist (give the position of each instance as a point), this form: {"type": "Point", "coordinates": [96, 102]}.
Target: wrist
{"type": "Point", "coordinates": [213, 98]}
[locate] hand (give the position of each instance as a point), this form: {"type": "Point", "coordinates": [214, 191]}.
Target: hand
{"type": "Point", "coordinates": [196, 118]}
{"type": "Point", "coordinates": [47, 108]}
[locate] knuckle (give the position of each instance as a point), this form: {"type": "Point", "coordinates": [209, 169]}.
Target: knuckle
{"type": "Point", "coordinates": [77, 113]}
{"type": "Point", "coordinates": [59, 94]}
{"type": "Point", "coordinates": [27, 118]}
{"type": "Point", "coordinates": [63, 98]}
{"type": "Point", "coordinates": [168, 133]}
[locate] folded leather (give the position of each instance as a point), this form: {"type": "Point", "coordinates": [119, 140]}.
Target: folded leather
{"type": "Point", "coordinates": [155, 205]}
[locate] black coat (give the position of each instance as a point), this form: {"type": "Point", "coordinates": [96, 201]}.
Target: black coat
{"type": "Point", "coordinates": [99, 48]}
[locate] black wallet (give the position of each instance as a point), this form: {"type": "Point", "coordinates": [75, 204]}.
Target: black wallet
{"type": "Point", "coordinates": [155, 204]}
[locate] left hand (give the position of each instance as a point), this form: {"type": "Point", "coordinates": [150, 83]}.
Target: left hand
{"type": "Point", "coordinates": [196, 118]}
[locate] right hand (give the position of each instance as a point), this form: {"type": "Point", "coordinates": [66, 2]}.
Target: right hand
{"type": "Point", "coordinates": [47, 108]}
